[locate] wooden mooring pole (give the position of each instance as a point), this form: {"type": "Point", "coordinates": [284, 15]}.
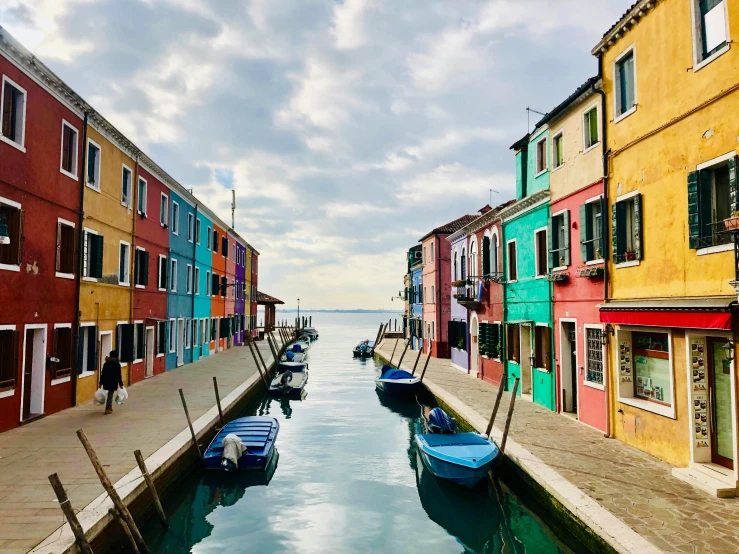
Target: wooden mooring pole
{"type": "Point", "coordinates": [150, 481]}
{"type": "Point", "coordinates": [69, 513]}
{"type": "Point", "coordinates": [256, 361]}
{"type": "Point", "coordinates": [407, 344]}
{"type": "Point", "coordinates": [268, 337]}
{"type": "Point", "coordinates": [112, 493]}
{"type": "Point", "coordinates": [189, 424]}
{"type": "Point", "coordinates": [508, 418]}
{"type": "Point", "coordinates": [420, 351]}
{"type": "Point", "coordinates": [425, 366]}
{"type": "Point", "coordinates": [497, 404]}
{"type": "Point", "coordinates": [218, 401]}
{"type": "Point", "coordinates": [266, 369]}
{"type": "Point", "coordinates": [126, 531]}
{"type": "Point", "coordinates": [393, 354]}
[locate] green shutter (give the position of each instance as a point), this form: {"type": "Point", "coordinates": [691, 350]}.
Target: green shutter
{"type": "Point", "coordinates": [693, 209]}
{"type": "Point", "coordinates": [92, 350]}
{"type": "Point", "coordinates": [566, 245]}
{"type": "Point", "coordinates": [733, 186]}
{"type": "Point", "coordinates": [126, 348]}
{"type": "Point", "coordinates": [603, 228]}
{"type": "Point", "coordinates": [550, 245]}
{"type": "Point", "coordinates": [584, 229]}
{"type": "Point", "coordinates": [494, 340]}
{"type": "Point", "coordinates": [97, 258]}
{"type": "Point", "coordinates": [638, 228]}
{"type": "Point", "coordinates": [80, 350]}
{"type": "Point", "coordinates": [619, 232]}
{"type": "Point", "coordinates": [705, 205]}
{"type": "Point", "coordinates": [482, 338]}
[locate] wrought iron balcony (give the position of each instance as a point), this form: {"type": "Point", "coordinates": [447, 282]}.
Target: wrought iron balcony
{"type": "Point", "coordinates": [466, 295]}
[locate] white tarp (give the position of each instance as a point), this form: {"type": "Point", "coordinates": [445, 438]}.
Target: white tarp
{"type": "Point", "coordinates": [233, 448]}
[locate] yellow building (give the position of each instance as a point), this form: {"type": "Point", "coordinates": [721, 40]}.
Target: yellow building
{"type": "Point", "coordinates": [106, 286]}
{"type": "Point", "coordinates": [671, 78]}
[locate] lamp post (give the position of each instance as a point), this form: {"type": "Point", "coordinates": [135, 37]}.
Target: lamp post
{"type": "Point", "coordinates": [729, 350]}
{"type": "Point", "coordinates": [298, 312]}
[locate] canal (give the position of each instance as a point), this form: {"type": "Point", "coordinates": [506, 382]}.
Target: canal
{"type": "Point", "coordinates": [348, 478]}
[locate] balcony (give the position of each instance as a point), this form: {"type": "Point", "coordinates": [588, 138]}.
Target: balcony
{"type": "Point", "coordinates": [466, 295]}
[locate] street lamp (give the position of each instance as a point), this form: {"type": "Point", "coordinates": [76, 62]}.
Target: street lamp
{"type": "Point", "coordinates": [4, 235]}
{"type": "Point", "coordinates": [729, 350]}
{"type": "Point", "coordinates": [298, 311]}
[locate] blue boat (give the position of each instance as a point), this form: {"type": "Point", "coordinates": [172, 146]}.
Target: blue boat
{"type": "Point", "coordinates": [397, 381]}
{"type": "Point", "coordinates": [258, 433]}
{"type": "Point", "coordinates": [365, 349]}
{"type": "Point", "coordinates": [290, 379]}
{"type": "Point", "coordinates": [463, 458]}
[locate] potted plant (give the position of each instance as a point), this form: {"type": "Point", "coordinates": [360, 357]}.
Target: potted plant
{"type": "Point", "coordinates": [598, 254]}
{"type": "Point", "coordinates": [732, 223]}
{"type": "Point", "coordinates": [630, 256]}
{"type": "Point", "coordinates": [460, 344]}
{"type": "Point", "coordinates": [562, 261]}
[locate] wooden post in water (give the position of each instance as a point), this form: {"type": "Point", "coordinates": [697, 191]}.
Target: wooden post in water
{"type": "Point", "coordinates": [70, 514]}
{"type": "Point", "coordinates": [310, 321]}
{"type": "Point", "coordinates": [271, 346]}
{"type": "Point", "coordinates": [377, 337]}
{"type": "Point", "coordinates": [266, 369]}
{"type": "Point", "coordinates": [150, 481]}
{"type": "Point", "coordinates": [112, 493]}
{"type": "Point", "coordinates": [508, 419]}
{"type": "Point", "coordinates": [256, 361]}
{"type": "Point", "coordinates": [424, 367]}
{"type": "Point", "coordinates": [407, 344]}
{"type": "Point", "coordinates": [393, 354]}
{"type": "Point", "coordinates": [126, 531]}
{"type": "Point", "coordinates": [189, 424]}
{"type": "Point", "coordinates": [218, 401]}
{"type": "Point", "coordinates": [420, 351]}
{"type": "Point", "coordinates": [497, 403]}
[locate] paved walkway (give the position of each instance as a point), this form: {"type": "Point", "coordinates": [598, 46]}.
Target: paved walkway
{"type": "Point", "coordinates": [29, 511]}
{"type": "Point", "coordinates": [632, 485]}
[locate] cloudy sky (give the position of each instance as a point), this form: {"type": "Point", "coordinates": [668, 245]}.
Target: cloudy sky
{"type": "Point", "coordinates": [348, 128]}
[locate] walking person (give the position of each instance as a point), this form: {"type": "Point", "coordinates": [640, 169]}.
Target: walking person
{"type": "Point", "coordinates": [111, 379]}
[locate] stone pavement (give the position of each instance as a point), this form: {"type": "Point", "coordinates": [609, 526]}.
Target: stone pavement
{"type": "Point", "coordinates": [29, 511]}
{"type": "Point", "coordinates": [632, 485]}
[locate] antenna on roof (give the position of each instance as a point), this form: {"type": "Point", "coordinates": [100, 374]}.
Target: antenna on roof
{"type": "Point", "coordinates": [528, 117]}
{"type": "Point", "coordinates": [233, 208]}
{"type": "Point", "coordinates": [491, 195]}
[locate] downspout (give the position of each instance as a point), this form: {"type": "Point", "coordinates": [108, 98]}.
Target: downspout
{"type": "Point", "coordinates": [132, 278]}
{"type": "Point", "coordinates": [194, 265]}
{"type": "Point", "coordinates": [604, 238]}
{"type": "Point", "coordinates": [504, 317]}
{"type": "Point", "coordinates": [80, 248]}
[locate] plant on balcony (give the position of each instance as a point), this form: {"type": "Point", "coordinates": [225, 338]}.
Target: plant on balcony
{"type": "Point", "coordinates": [460, 344]}
{"type": "Point", "coordinates": [459, 283]}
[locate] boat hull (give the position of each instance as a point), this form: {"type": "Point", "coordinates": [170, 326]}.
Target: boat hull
{"type": "Point", "coordinates": [258, 433]}
{"type": "Point", "coordinates": [398, 386]}
{"type": "Point", "coordinates": [462, 458]}
{"type": "Point", "coordinates": [297, 386]}
{"type": "Point", "coordinates": [463, 476]}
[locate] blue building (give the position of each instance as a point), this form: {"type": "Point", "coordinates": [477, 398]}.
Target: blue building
{"type": "Point", "coordinates": [203, 270]}
{"type": "Point", "coordinates": [415, 267]}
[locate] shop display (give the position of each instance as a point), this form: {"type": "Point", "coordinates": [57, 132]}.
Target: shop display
{"type": "Point", "coordinates": [698, 359]}
{"type": "Point", "coordinates": [624, 352]}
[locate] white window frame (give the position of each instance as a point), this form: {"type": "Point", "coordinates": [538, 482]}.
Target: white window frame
{"type": "Point", "coordinates": [601, 260]}
{"type": "Point", "coordinates": [207, 283]}
{"type": "Point", "coordinates": [175, 221]}
{"type": "Point", "coordinates": [720, 160]}
{"type": "Point", "coordinates": [585, 130]}
{"type": "Point", "coordinates": [537, 269]}
{"type": "Point", "coordinates": [127, 273]}
{"type": "Point", "coordinates": [144, 196]}
{"type": "Point", "coordinates": [172, 336]}
{"type": "Point", "coordinates": [623, 197]}
{"type": "Point", "coordinates": [134, 269]}
{"type": "Point", "coordinates": [75, 163]}
{"type": "Point", "coordinates": [555, 136]}
{"type": "Point", "coordinates": [617, 86]}
{"type": "Point", "coordinates": [84, 325]}
{"type": "Point", "coordinates": [66, 223]}
{"type": "Point", "coordinates": [198, 228]}
{"type": "Point", "coordinates": [536, 156]}
{"type": "Point", "coordinates": [189, 276]}
{"type": "Point", "coordinates": [196, 280]}
{"type": "Point", "coordinates": [98, 165]}
{"type": "Point", "coordinates": [508, 259]}
{"type": "Point", "coordinates": [162, 264]}
{"type": "Point", "coordinates": [11, 392]}
{"type": "Point", "coordinates": [22, 144]}
{"type": "Point", "coordinates": [210, 239]}
{"type": "Point", "coordinates": [136, 323]}
{"type": "Point", "coordinates": [698, 37]}
{"type": "Point", "coordinates": [124, 167]}
{"type": "Point", "coordinates": [190, 227]}
{"type": "Point", "coordinates": [604, 355]}
{"type": "Point", "coordinates": [164, 199]}
{"type": "Point", "coordinates": [85, 258]}
{"type": "Point", "coordinates": [494, 253]}
{"type": "Point", "coordinates": [173, 275]}
{"type": "Point", "coordinates": [188, 333]}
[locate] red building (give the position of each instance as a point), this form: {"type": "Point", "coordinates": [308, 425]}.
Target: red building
{"type": "Point", "coordinates": [150, 277]}
{"type": "Point", "coordinates": [41, 134]}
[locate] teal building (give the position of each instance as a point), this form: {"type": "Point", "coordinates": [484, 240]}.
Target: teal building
{"type": "Point", "coordinates": [203, 270]}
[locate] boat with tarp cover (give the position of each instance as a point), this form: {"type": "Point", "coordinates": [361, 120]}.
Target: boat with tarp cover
{"type": "Point", "coordinates": [257, 434]}
{"type": "Point", "coordinates": [397, 381]}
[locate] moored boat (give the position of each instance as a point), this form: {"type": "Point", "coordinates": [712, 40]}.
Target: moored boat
{"type": "Point", "coordinates": [365, 349]}
{"type": "Point", "coordinates": [257, 435]}
{"type": "Point", "coordinates": [309, 332]}
{"type": "Point", "coordinates": [397, 381]}
{"type": "Point", "coordinates": [290, 380]}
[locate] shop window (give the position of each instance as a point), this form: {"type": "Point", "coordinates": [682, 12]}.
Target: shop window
{"type": "Point", "coordinates": [540, 246]}
{"type": "Point", "coordinates": [627, 230]}
{"type": "Point", "coordinates": [13, 116]}
{"type": "Point", "coordinates": [69, 150]}
{"type": "Point", "coordinates": [161, 337]}
{"type": "Point", "coordinates": [652, 370]}
{"type": "Point", "coordinates": [126, 176]}
{"type": "Point", "coordinates": [8, 359]}
{"type": "Point", "coordinates": [513, 343]}
{"type": "Point", "coordinates": [559, 255]}
{"type": "Point", "coordinates": [141, 269]}
{"type": "Point", "coordinates": [594, 360]}
{"type": "Point", "coordinates": [12, 215]}
{"type": "Point", "coordinates": [93, 255]}
{"type": "Point", "coordinates": [590, 128]}
{"type": "Point", "coordinates": [712, 199]}
{"type": "Point", "coordinates": [558, 157]}
{"type": "Point", "coordinates": [93, 165]}
{"type": "Point", "coordinates": [512, 262]}
{"type": "Point", "coordinates": [543, 347]}
{"type": "Point", "coordinates": [66, 246]}
{"type": "Point", "coordinates": [141, 208]}
{"type": "Point", "coordinates": [710, 25]}
{"type": "Point", "coordinates": [592, 230]}
{"type": "Point", "coordinates": [162, 273]}
{"type": "Point", "coordinates": [625, 84]}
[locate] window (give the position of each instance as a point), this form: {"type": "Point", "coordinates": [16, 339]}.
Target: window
{"type": "Point", "coordinates": [12, 215]}
{"type": "Point", "coordinates": [173, 275]}
{"type": "Point", "coordinates": [541, 156]}
{"type": "Point", "coordinates": [175, 218]}
{"type": "Point", "coordinates": [215, 241]}
{"type": "Point", "coordinates": [139, 342]}
{"type": "Point", "coordinates": [652, 371]}
{"type": "Point", "coordinates": [204, 329]}
{"type": "Point", "coordinates": [87, 352]}
{"type": "Point", "coordinates": [8, 359]}
{"type": "Point", "coordinates": [124, 264]}
{"type": "Point", "coordinates": [69, 150]}
{"type": "Point", "coordinates": [172, 335]}
{"type": "Point", "coordinates": [594, 356]}
{"type": "Point", "coordinates": [92, 255]}
{"type": "Point", "coordinates": [592, 230]}
{"type": "Point", "coordinates": [496, 253]}
{"type": "Point", "coordinates": [560, 233]}
{"type": "Point", "coordinates": [513, 342]}
{"type": "Point", "coordinates": [489, 338]}
{"type": "Point", "coordinates": [161, 337]}
{"type": "Point", "coordinates": [224, 286]}
{"type": "Point", "coordinates": [93, 165]}
{"type": "Point", "coordinates": [126, 187]}
{"type": "Point", "coordinates": [463, 265]}
{"type": "Point", "coordinates": [188, 332]}
{"type": "Point", "coordinates": [710, 26]}
{"type": "Point", "coordinates": [432, 251]}
{"type": "Point", "coordinates": [13, 116]}
{"type": "Point", "coordinates": [558, 157]}
{"type": "Point", "coordinates": [424, 294]}
{"type": "Point", "coordinates": [215, 284]}
{"type": "Point", "coordinates": [207, 283]}
{"type": "Point", "coordinates": [627, 227]}
{"type": "Point", "coordinates": [209, 240]}
{"type": "Point", "coordinates": [213, 324]}
{"type": "Point", "coordinates": [197, 231]}
{"type": "Point", "coordinates": [540, 245]}
{"type": "Point", "coordinates": [625, 84]}
{"type": "Point", "coordinates": [162, 273]}
{"type": "Point", "coordinates": [455, 266]}
{"type": "Point", "coordinates": [712, 199]}
{"type": "Point", "coordinates": [543, 347]}
{"type": "Point", "coordinates": [512, 261]}
{"type": "Point", "coordinates": [66, 246]}
{"type": "Point", "coordinates": [590, 128]}
{"type": "Point", "coordinates": [189, 279]}
{"type": "Point", "coordinates": [190, 227]}
{"type": "Point", "coordinates": [195, 332]}
{"type": "Point", "coordinates": [141, 270]}
{"type": "Point", "coordinates": [224, 247]}
{"type": "Point", "coordinates": [141, 208]}
{"type": "Point", "coordinates": [61, 349]}
{"type": "Point", "coordinates": [458, 334]}
{"type": "Point", "coordinates": [433, 295]}
{"type": "Point", "coordinates": [164, 211]}
{"type": "Point", "coordinates": [423, 257]}
{"type": "Point", "coordinates": [126, 342]}
{"type": "Point", "coordinates": [486, 255]}
{"type": "Point", "coordinates": [197, 280]}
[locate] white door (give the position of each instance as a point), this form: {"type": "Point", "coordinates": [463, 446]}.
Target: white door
{"type": "Point", "coordinates": [526, 360]}
{"type": "Point", "coordinates": [180, 341]}
{"type": "Point", "coordinates": [34, 375]}
{"type": "Point", "coordinates": [149, 371]}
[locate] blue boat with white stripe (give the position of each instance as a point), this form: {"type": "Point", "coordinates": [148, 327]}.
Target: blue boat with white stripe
{"type": "Point", "coordinates": [257, 433]}
{"type": "Point", "coordinates": [397, 381]}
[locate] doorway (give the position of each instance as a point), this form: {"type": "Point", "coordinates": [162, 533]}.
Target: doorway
{"type": "Point", "coordinates": [180, 341]}
{"type": "Point", "coordinates": [568, 365]}
{"type": "Point", "coordinates": [106, 345]}
{"type": "Point", "coordinates": [526, 377]}
{"type": "Point", "coordinates": [149, 367]}
{"type": "Point", "coordinates": [719, 390]}
{"type": "Point", "coordinates": [34, 361]}
{"type": "Point", "coordinates": [474, 346]}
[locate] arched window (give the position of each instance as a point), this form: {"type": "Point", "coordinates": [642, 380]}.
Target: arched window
{"type": "Point", "coordinates": [495, 253]}
{"type": "Point", "coordinates": [455, 266]}
{"type": "Point", "coordinates": [473, 259]}
{"type": "Point", "coordinates": [463, 266]}
{"type": "Point", "coordinates": [486, 255]}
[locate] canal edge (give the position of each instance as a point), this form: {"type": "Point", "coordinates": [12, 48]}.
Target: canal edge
{"type": "Point", "coordinates": [163, 465]}
{"type": "Point", "coordinates": [597, 520]}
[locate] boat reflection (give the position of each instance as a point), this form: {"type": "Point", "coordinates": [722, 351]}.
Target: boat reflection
{"type": "Point", "coordinates": [284, 402]}
{"type": "Point", "coordinates": [407, 407]}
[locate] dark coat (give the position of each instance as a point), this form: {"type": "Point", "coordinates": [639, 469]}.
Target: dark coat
{"type": "Point", "coordinates": [110, 378]}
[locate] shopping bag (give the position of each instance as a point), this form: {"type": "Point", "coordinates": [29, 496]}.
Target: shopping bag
{"type": "Point", "coordinates": [101, 395]}
{"type": "Point", "coordinates": [121, 395]}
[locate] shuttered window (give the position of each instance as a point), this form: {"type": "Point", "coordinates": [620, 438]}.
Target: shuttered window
{"type": "Point", "coordinates": [161, 337]}
{"type": "Point", "coordinates": [540, 247]}
{"type": "Point", "coordinates": [142, 268]}
{"type": "Point", "coordinates": [224, 286]}
{"type": "Point", "coordinates": [512, 262]}
{"type": "Point", "coordinates": [224, 247]}
{"type": "Point", "coordinates": [93, 165]}
{"type": "Point", "coordinates": [543, 347]}
{"type": "Point", "coordinates": [13, 115]}
{"type": "Point", "coordinates": [625, 84]}
{"type": "Point", "coordinates": [713, 198]}
{"type": "Point", "coordinates": [214, 286]}
{"type": "Point", "coordinates": [126, 345]}
{"type": "Point", "coordinates": [592, 230]}
{"type": "Point", "coordinates": [712, 24]}
{"type": "Point", "coordinates": [66, 246]}
{"type": "Point", "coordinates": [215, 241]}
{"type": "Point", "coordinates": [12, 216]}
{"type": "Point", "coordinates": [486, 256]}
{"type": "Point", "coordinates": [559, 240]}
{"type": "Point", "coordinates": [513, 343]}
{"type": "Point", "coordinates": [162, 273]}
{"type": "Point", "coordinates": [457, 332]}
{"type": "Point", "coordinates": [61, 345]}
{"type": "Point", "coordinates": [93, 255]}
{"type": "Point", "coordinates": [626, 229]}
{"type": "Point", "coordinates": [126, 193]}
{"type": "Point", "coordinates": [87, 350]}
{"type": "Point", "coordinates": [590, 128]}
{"type": "Point", "coordinates": [69, 150]}
{"type": "Point", "coordinates": [8, 359]}
{"type": "Point", "coordinates": [490, 337]}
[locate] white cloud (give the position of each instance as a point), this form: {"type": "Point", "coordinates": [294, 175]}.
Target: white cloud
{"type": "Point", "coordinates": [453, 181]}
{"type": "Point", "coordinates": [348, 28]}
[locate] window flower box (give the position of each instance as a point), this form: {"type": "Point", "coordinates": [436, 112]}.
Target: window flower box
{"type": "Point", "coordinates": [630, 256]}
{"type": "Point", "coordinates": [732, 223]}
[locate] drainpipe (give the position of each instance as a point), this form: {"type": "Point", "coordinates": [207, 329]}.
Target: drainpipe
{"type": "Point", "coordinates": [132, 278]}
{"type": "Point", "coordinates": [604, 238]}
{"type": "Point", "coordinates": [80, 248]}
{"type": "Point", "coordinates": [194, 265]}
{"type": "Point", "coordinates": [504, 317]}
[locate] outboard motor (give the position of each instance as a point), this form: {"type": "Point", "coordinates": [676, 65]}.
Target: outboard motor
{"type": "Point", "coordinates": [440, 423]}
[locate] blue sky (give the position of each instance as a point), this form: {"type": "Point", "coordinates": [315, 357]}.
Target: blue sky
{"type": "Point", "coordinates": [348, 129]}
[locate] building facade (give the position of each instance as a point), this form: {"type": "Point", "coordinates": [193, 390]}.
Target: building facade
{"type": "Point", "coordinates": [457, 330]}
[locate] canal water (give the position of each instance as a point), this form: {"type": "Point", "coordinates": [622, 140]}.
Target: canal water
{"type": "Point", "coordinates": [348, 478]}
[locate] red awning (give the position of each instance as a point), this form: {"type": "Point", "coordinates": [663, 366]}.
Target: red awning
{"type": "Point", "coordinates": [666, 318]}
